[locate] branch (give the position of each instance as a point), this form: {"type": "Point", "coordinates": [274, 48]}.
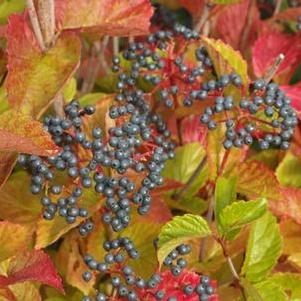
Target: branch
{"type": "Point", "coordinates": [190, 181]}
{"type": "Point", "coordinates": [46, 12]}
{"type": "Point", "coordinates": [277, 7]}
{"type": "Point", "coordinates": [270, 74]}
{"type": "Point", "coordinates": [115, 45]}
{"type": "Point", "coordinates": [206, 11]}
{"type": "Point", "coordinates": [58, 105]}
{"type": "Point", "coordinates": [248, 25]}
{"type": "Point", "coordinates": [98, 54]}
{"type": "Point", "coordinates": [35, 24]}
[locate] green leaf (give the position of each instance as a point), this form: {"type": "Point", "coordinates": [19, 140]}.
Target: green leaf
{"type": "Point", "coordinates": [187, 159]}
{"type": "Point", "coordinates": [143, 235]}
{"type": "Point", "coordinates": [289, 171]}
{"type": "Point", "coordinates": [91, 98]}
{"type": "Point", "coordinates": [290, 283]}
{"type": "Point", "coordinates": [250, 290]}
{"type": "Point", "coordinates": [226, 59]}
{"type": "Point", "coordinates": [70, 90]}
{"type": "Point", "coordinates": [179, 230]}
{"type": "Point", "coordinates": [225, 194]}
{"type": "Point", "coordinates": [8, 7]}
{"type": "Point", "coordinates": [264, 248]}
{"type": "Point", "coordinates": [239, 214]}
{"type": "Point", "coordinates": [270, 291]}
{"type": "Point", "coordinates": [194, 205]}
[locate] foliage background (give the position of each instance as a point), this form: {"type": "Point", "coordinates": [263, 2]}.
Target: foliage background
{"type": "Point", "coordinates": [70, 57]}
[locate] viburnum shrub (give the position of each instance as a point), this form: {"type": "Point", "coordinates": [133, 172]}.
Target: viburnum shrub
{"type": "Point", "coordinates": [150, 150]}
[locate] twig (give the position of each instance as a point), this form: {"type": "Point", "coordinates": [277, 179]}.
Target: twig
{"type": "Point", "coordinates": [248, 25]}
{"type": "Point", "coordinates": [232, 268]}
{"type": "Point", "coordinates": [190, 181]}
{"type": "Point", "coordinates": [115, 45]}
{"type": "Point", "coordinates": [35, 24]}
{"type": "Point", "coordinates": [58, 105]}
{"type": "Point", "coordinates": [206, 11]}
{"type": "Point", "coordinates": [209, 218]}
{"type": "Point", "coordinates": [206, 29]}
{"type": "Point", "coordinates": [270, 74]}
{"type": "Point", "coordinates": [277, 7]}
{"type": "Point", "coordinates": [98, 54]}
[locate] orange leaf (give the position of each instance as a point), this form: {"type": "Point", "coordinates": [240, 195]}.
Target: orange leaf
{"type": "Point", "coordinates": [254, 179]}
{"type": "Point", "coordinates": [34, 266]}
{"type": "Point", "coordinates": [107, 17]}
{"type": "Point", "coordinates": [289, 205]}
{"type": "Point", "coordinates": [7, 163]}
{"type": "Point", "coordinates": [35, 78]}
{"type": "Point", "coordinates": [22, 134]}
{"type": "Point", "coordinates": [10, 247]}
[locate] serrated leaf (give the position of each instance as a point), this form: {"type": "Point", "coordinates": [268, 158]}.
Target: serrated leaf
{"type": "Point", "coordinates": [19, 205]}
{"type": "Point", "coordinates": [35, 265]}
{"type": "Point", "coordinates": [179, 230]}
{"type": "Point", "coordinates": [264, 248]}
{"type": "Point", "coordinates": [238, 214]}
{"type": "Point", "coordinates": [22, 238]}
{"type": "Point", "coordinates": [106, 17]}
{"type": "Point", "coordinates": [288, 171]}
{"type": "Point", "coordinates": [35, 78]}
{"type": "Point", "coordinates": [187, 159]}
{"type": "Point", "coordinates": [250, 290]}
{"type": "Point", "coordinates": [226, 59]}
{"type": "Point", "coordinates": [224, 194]}
{"type": "Point", "coordinates": [20, 133]}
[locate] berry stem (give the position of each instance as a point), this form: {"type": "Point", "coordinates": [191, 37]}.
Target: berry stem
{"type": "Point", "coordinates": [272, 71]}
{"type": "Point", "coordinates": [35, 24]}
{"type": "Point", "coordinates": [115, 45]}
{"type": "Point", "coordinates": [204, 17]}
{"type": "Point", "coordinates": [190, 181]}
{"type": "Point", "coordinates": [277, 7]}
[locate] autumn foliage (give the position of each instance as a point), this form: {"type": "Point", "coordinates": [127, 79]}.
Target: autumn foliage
{"type": "Point", "coordinates": [238, 208]}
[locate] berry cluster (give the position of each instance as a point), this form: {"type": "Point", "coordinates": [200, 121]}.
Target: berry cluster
{"type": "Point", "coordinates": [68, 135]}
{"type": "Point", "coordinates": [180, 263]}
{"type": "Point", "coordinates": [130, 287]}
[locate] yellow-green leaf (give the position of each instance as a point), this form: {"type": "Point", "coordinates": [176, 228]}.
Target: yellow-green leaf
{"type": "Point", "coordinates": [264, 248]}
{"type": "Point", "coordinates": [179, 230]}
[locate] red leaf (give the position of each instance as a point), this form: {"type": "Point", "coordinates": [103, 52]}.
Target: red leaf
{"type": "Point", "coordinates": [267, 48]}
{"type": "Point", "coordinates": [231, 23]}
{"type": "Point", "coordinates": [34, 266]}
{"type": "Point", "coordinates": [294, 93]}
{"type": "Point", "coordinates": [289, 205]}
{"type": "Point", "coordinates": [193, 130]}
{"type": "Point", "coordinates": [20, 133]}
{"type": "Point", "coordinates": [35, 78]}
{"type": "Point", "coordinates": [107, 17]}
